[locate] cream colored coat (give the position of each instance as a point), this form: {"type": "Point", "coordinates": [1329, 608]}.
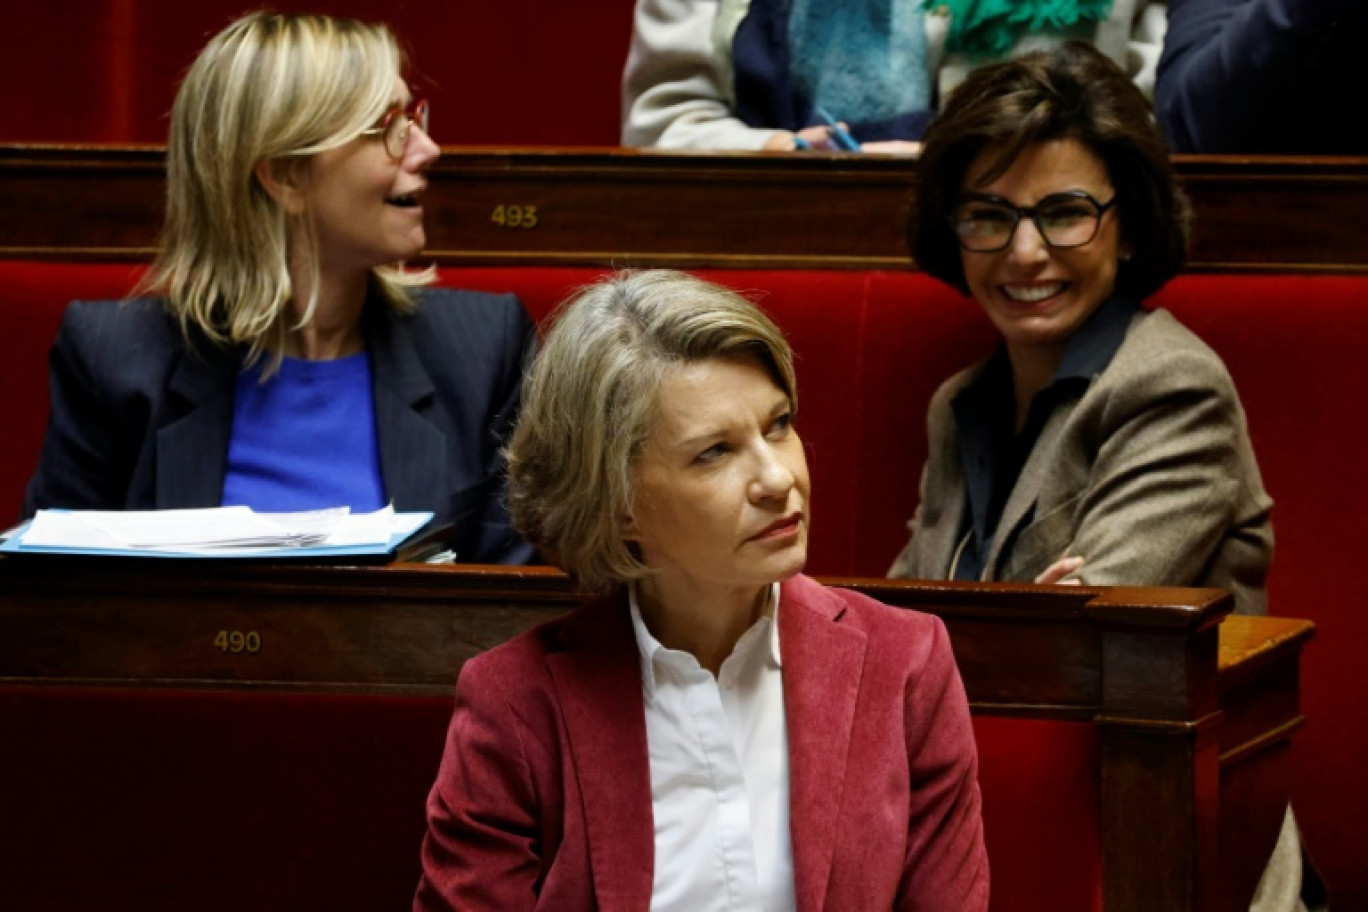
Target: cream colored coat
{"type": "Point", "coordinates": [677, 84]}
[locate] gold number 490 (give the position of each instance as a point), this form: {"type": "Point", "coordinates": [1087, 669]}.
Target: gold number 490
{"type": "Point", "coordinates": [514, 216]}
{"type": "Point", "coordinates": [238, 641]}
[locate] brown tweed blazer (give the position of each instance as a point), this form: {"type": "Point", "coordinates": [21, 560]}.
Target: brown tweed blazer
{"type": "Point", "coordinates": [1148, 475]}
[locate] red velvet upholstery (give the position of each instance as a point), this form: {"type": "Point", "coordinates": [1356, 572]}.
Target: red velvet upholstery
{"type": "Point", "coordinates": [833, 415]}
{"type": "Point", "coordinates": [1297, 347]}
{"type": "Point", "coordinates": [32, 298]}
{"type": "Point", "coordinates": [871, 347]}
{"type": "Point", "coordinates": [1040, 813]}
{"type": "Point", "coordinates": [119, 61]}
{"type": "Point", "coordinates": [156, 800]}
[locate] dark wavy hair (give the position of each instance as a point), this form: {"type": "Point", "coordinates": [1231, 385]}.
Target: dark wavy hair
{"type": "Point", "coordinates": [1071, 92]}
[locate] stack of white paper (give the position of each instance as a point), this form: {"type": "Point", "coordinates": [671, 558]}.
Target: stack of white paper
{"type": "Point", "coordinates": [215, 531]}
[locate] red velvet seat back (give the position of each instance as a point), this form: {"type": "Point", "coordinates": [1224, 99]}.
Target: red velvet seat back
{"type": "Point", "coordinates": [1297, 347]}
{"type": "Point", "coordinates": [150, 800]}
{"type": "Point", "coordinates": [146, 800]}
{"type": "Point", "coordinates": [1040, 813]}
{"type": "Point", "coordinates": [870, 348]}
{"type": "Point", "coordinates": [32, 298]}
{"type": "Point", "coordinates": [481, 64]}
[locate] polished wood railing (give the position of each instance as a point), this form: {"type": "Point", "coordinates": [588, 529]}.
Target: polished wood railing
{"type": "Point", "coordinates": [626, 207]}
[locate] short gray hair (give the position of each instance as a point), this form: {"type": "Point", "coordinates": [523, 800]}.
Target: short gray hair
{"type": "Point", "coordinates": [590, 399]}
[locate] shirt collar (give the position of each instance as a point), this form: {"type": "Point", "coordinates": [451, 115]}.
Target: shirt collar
{"type": "Point", "coordinates": [1087, 353]}
{"type": "Point", "coordinates": [648, 647]}
{"type": "Point", "coordinates": [1093, 345]}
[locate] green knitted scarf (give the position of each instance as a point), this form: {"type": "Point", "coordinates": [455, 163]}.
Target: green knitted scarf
{"type": "Point", "coordinates": [987, 28]}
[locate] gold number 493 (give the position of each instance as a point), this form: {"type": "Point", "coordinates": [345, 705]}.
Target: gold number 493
{"type": "Point", "coordinates": [509, 216]}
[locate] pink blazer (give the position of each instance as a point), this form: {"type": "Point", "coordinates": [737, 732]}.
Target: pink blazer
{"type": "Point", "coordinates": [543, 799]}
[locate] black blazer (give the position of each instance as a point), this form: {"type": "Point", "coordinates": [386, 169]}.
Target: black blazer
{"type": "Point", "coordinates": [141, 418]}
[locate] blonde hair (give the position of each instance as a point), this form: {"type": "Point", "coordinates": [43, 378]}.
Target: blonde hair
{"type": "Point", "coordinates": [268, 87]}
{"type": "Point", "coordinates": [590, 398]}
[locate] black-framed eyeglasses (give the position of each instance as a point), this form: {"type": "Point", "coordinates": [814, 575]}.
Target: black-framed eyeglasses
{"type": "Point", "coordinates": [394, 129]}
{"type": "Point", "coordinates": [984, 223]}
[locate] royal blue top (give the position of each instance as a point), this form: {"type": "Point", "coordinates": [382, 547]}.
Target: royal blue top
{"type": "Point", "coordinates": [305, 439]}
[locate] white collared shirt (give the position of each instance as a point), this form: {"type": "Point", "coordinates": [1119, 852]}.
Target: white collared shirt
{"type": "Point", "coordinates": [719, 774]}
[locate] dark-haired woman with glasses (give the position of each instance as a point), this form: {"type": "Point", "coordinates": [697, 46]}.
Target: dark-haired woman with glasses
{"type": "Point", "coordinates": [1102, 442]}
{"type": "Point", "coordinates": [287, 361]}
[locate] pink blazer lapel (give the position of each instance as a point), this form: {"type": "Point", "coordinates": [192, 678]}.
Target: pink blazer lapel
{"type": "Point", "coordinates": [598, 684]}
{"type": "Point", "coordinates": [823, 661]}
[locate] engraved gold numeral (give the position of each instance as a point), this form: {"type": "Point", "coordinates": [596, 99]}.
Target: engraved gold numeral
{"type": "Point", "coordinates": [512, 216]}
{"type": "Point", "coordinates": [238, 641]}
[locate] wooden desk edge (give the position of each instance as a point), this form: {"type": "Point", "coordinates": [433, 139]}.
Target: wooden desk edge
{"type": "Point", "coordinates": [1248, 643]}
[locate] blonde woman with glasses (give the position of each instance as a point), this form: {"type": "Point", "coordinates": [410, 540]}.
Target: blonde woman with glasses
{"type": "Point", "coordinates": [283, 359]}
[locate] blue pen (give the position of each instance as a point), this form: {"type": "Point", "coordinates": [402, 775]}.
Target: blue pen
{"type": "Point", "coordinates": [839, 135]}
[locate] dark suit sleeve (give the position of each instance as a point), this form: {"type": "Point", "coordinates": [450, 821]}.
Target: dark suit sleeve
{"type": "Point", "coordinates": [946, 865]}
{"type": "Point", "coordinates": [498, 542]}
{"type": "Point", "coordinates": [1236, 73]}
{"type": "Point", "coordinates": [81, 465]}
{"type": "Point", "coordinates": [480, 851]}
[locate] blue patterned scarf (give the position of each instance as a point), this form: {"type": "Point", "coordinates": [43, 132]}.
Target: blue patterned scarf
{"type": "Point", "coordinates": [860, 59]}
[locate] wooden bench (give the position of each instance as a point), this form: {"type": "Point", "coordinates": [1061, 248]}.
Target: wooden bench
{"type": "Point", "coordinates": [226, 737]}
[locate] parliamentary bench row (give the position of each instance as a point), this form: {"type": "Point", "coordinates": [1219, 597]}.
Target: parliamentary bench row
{"type": "Point", "coordinates": [1278, 286]}
{"type": "Point", "coordinates": [261, 737]}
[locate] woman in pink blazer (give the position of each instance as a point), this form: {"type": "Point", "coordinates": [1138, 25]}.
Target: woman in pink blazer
{"type": "Point", "coordinates": [715, 730]}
